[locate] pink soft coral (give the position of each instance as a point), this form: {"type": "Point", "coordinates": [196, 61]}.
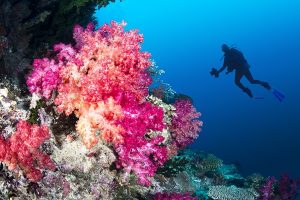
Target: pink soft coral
{"type": "Point", "coordinates": [44, 77]}
{"type": "Point", "coordinates": [142, 157]}
{"type": "Point", "coordinates": [22, 150]}
{"type": "Point", "coordinates": [173, 196]}
{"type": "Point", "coordinates": [185, 126]}
{"type": "Point", "coordinates": [137, 153]}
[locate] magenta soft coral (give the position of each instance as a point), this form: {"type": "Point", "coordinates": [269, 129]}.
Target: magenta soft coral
{"type": "Point", "coordinates": [267, 189]}
{"type": "Point", "coordinates": [173, 196]}
{"type": "Point", "coordinates": [142, 157]}
{"type": "Point", "coordinates": [288, 188]}
{"type": "Point", "coordinates": [139, 118]}
{"type": "Point", "coordinates": [137, 153]}
{"type": "Point", "coordinates": [22, 150]}
{"type": "Point", "coordinates": [185, 125]}
{"type": "Point", "coordinates": [44, 78]}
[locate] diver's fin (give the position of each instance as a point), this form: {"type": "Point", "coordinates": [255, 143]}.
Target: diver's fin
{"type": "Point", "coordinates": [280, 96]}
{"type": "Point", "coordinates": [279, 93]}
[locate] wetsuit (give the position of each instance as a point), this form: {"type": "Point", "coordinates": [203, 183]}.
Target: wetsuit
{"type": "Point", "coordinates": [235, 60]}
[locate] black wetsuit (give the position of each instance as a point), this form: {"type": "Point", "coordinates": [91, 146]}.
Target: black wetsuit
{"type": "Point", "coordinates": [235, 60]}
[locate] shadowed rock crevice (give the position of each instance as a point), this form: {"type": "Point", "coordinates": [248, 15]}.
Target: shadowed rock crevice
{"type": "Point", "coordinates": [29, 28]}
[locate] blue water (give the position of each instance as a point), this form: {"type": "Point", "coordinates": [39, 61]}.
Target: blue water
{"type": "Point", "coordinates": [184, 38]}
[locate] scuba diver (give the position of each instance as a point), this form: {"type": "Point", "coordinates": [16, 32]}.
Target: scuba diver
{"type": "Point", "coordinates": [235, 60]}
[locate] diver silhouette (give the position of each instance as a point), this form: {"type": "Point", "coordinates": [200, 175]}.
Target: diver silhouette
{"type": "Point", "coordinates": [235, 60]}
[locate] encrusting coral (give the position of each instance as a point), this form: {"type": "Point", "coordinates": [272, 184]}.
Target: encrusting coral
{"type": "Point", "coordinates": [10, 111]}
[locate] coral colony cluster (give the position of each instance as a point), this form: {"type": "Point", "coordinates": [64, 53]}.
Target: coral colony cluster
{"type": "Point", "coordinates": [103, 80]}
{"type": "Point", "coordinates": [95, 130]}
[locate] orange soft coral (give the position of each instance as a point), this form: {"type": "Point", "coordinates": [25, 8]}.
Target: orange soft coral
{"type": "Point", "coordinates": [100, 117]}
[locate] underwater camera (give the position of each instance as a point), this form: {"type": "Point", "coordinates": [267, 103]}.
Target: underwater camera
{"type": "Point", "coordinates": [214, 72]}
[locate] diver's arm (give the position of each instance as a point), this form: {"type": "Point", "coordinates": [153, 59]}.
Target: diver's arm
{"type": "Point", "coordinates": [222, 69]}
{"type": "Point", "coordinates": [225, 63]}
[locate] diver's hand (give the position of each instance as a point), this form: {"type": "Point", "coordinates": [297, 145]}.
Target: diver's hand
{"type": "Point", "coordinates": [217, 74]}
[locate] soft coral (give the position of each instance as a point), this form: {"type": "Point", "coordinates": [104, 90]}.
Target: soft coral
{"type": "Point", "coordinates": [138, 153]}
{"type": "Point", "coordinates": [22, 150]}
{"type": "Point", "coordinates": [185, 125]}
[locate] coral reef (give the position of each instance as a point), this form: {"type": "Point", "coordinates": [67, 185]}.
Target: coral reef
{"type": "Point", "coordinates": [104, 80]}
{"type": "Point", "coordinates": [99, 123]}
{"type": "Point", "coordinates": [88, 74]}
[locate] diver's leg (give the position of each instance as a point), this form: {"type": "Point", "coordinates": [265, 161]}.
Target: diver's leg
{"type": "Point", "coordinates": [237, 81]}
{"type": "Point", "coordinates": [250, 78]}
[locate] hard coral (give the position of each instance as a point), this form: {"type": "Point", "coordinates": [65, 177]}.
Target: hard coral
{"type": "Point", "coordinates": [185, 126]}
{"type": "Point", "coordinates": [222, 192]}
{"type": "Point", "coordinates": [22, 150]}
